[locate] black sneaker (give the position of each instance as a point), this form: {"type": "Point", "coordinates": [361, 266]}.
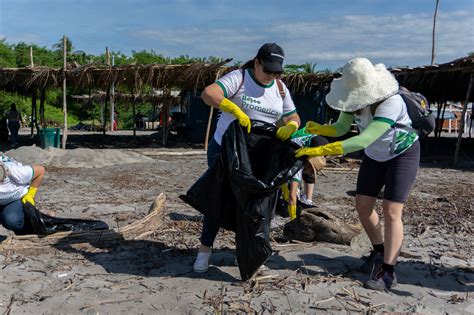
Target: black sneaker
{"type": "Point", "coordinates": [382, 281]}
{"type": "Point", "coordinates": [371, 263]}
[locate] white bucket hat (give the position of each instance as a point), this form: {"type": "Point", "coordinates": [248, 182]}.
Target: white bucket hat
{"type": "Point", "coordinates": [361, 84]}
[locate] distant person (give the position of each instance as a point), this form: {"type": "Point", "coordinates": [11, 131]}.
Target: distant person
{"type": "Point", "coordinates": [368, 95]}
{"type": "Point", "coordinates": [114, 126]}
{"type": "Point", "coordinates": [253, 92]}
{"type": "Point", "coordinates": [18, 185]}
{"type": "Point", "coordinates": [14, 123]}
{"type": "Point", "coordinates": [139, 122]}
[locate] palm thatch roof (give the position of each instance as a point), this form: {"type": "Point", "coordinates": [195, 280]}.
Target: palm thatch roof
{"type": "Point", "coordinates": [130, 77]}
{"type": "Point", "coordinates": [442, 82]}
{"type": "Point", "coordinates": [439, 83]}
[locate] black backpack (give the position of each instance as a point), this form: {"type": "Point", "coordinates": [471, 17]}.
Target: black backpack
{"type": "Point", "coordinates": [418, 109]}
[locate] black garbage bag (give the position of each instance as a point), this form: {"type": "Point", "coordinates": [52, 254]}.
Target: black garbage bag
{"type": "Point", "coordinates": [43, 224]}
{"type": "Point", "coordinates": [239, 191]}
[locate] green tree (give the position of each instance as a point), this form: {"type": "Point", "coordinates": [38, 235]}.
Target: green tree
{"type": "Point", "coordinates": [7, 54]}
{"type": "Point", "coordinates": [59, 46]}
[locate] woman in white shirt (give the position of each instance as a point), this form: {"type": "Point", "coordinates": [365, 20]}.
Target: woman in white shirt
{"type": "Point", "coordinates": [253, 92]}
{"type": "Point", "coordinates": [18, 185]}
{"type": "Point", "coordinates": [368, 95]}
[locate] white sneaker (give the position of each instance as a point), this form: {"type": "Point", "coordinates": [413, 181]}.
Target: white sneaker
{"type": "Point", "coordinates": [305, 200]}
{"type": "Point", "coordinates": [201, 264]}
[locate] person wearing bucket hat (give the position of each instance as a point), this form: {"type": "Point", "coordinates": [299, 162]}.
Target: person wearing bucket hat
{"type": "Point", "coordinates": [18, 185]}
{"type": "Point", "coordinates": [253, 92]}
{"type": "Point", "coordinates": [368, 95]}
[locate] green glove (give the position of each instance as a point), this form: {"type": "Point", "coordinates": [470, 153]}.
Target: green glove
{"type": "Point", "coordinates": [292, 211]}
{"type": "Point", "coordinates": [285, 132]}
{"type": "Point", "coordinates": [323, 130]}
{"type": "Point", "coordinates": [30, 196]}
{"type": "Point", "coordinates": [229, 107]}
{"type": "Point", "coordinates": [334, 148]}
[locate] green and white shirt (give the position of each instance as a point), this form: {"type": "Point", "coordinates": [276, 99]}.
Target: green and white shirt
{"type": "Point", "coordinates": [392, 111]}
{"type": "Point", "coordinates": [259, 102]}
{"type": "Point", "coordinates": [17, 180]}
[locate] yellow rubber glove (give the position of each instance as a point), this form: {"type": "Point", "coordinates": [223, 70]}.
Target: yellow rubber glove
{"type": "Point", "coordinates": [285, 132]}
{"type": "Point", "coordinates": [285, 192]}
{"type": "Point", "coordinates": [323, 130]}
{"type": "Point", "coordinates": [334, 148]}
{"type": "Point", "coordinates": [229, 107]}
{"type": "Point", "coordinates": [292, 211]}
{"type": "Point", "coordinates": [30, 196]}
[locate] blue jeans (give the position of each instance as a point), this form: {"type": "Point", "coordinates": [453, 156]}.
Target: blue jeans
{"type": "Point", "coordinates": [14, 126]}
{"type": "Point", "coordinates": [12, 216]}
{"type": "Point", "coordinates": [209, 229]}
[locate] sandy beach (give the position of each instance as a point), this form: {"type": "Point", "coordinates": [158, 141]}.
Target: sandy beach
{"type": "Point", "coordinates": [154, 274]}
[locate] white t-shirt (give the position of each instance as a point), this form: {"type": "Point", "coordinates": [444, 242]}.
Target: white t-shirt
{"type": "Point", "coordinates": [393, 111]}
{"type": "Point", "coordinates": [259, 102]}
{"type": "Point", "coordinates": [16, 183]}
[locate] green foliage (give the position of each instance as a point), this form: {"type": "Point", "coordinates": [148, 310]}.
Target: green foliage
{"type": "Point", "coordinates": [303, 68]}
{"type": "Point", "coordinates": [7, 55]}
{"type": "Point", "coordinates": [53, 115]}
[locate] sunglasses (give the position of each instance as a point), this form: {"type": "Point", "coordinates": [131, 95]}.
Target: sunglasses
{"type": "Point", "coordinates": [278, 73]}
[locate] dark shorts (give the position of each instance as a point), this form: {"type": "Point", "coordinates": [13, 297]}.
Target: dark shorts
{"type": "Point", "coordinates": [397, 175]}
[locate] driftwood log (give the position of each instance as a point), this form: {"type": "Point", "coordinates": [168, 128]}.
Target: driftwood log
{"type": "Point", "coordinates": [317, 225]}
{"type": "Point", "coordinates": [136, 230]}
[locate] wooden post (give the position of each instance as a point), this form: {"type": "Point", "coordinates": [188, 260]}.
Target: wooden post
{"type": "Point", "coordinates": [154, 115]}
{"type": "Point", "coordinates": [42, 100]}
{"type": "Point", "coordinates": [33, 111]}
{"type": "Point", "coordinates": [104, 107]}
{"type": "Point", "coordinates": [133, 116]}
{"type": "Point", "coordinates": [31, 57]}
{"type": "Point", "coordinates": [112, 100]}
{"type": "Point", "coordinates": [107, 97]}
{"type": "Point", "coordinates": [64, 94]}
{"type": "Point", "coordinates": [463, 116]}
{"type": "Point", "coordinates": [209, 120]}
{"type": "Point", "coordinates": [166, 115]}
{"type": "Point", "coordinates": [434, 32]}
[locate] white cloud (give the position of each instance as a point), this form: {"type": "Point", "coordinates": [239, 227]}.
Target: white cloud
{"type": "Point", "coordinates": [391, 39]}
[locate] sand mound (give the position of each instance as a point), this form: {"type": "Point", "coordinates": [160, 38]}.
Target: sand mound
{"type": "Point", "coordinates": [78, 158]}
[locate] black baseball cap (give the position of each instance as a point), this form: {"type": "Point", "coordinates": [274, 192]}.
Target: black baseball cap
{"type": "Point", "coordinates": [272, 56]}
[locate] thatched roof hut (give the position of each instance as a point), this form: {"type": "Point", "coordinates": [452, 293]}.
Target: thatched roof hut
{"type": "Point", "coordinates": [439, 83]}
{"type": "Point", "coordinates": [134, 77]}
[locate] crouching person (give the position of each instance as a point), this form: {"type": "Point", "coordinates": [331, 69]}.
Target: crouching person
{"type": "Point", "coordinates": [18, 185]}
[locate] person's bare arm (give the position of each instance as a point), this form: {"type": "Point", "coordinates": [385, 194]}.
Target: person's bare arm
{"type": "Point", "coordinates": [293, 117]}
{"type": "Point", "coordinates": [213, 95]}
{"type": "Point", "coordinates": [38, 175]}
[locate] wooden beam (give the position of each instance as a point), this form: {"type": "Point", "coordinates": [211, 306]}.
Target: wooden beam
{"type": "Point", "coordinates": [112, 100]}
{"type": "Point", "coordinates": [463, 116]}
{"type": "Point", "coordinates": [64, 140]}
{"type": "Point", "coordinates": [135, 230]}
{"type": "Point", "coordinates": [41, 109]}
{"type": "Point", "coordinates": [33, 111]}
{"type": "Point", "coordinates": [32, 65]}
{"type": "Point", "coordinates": [209, 120]}
{"type": "Point", "coordinates": [166, 115]}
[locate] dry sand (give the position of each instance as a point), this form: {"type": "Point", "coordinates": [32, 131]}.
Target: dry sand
{"type": "Point", "coordinates": [154, 275]}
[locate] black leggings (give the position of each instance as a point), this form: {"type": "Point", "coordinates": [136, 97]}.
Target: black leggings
{"type": "Point", "coordinates": [397, 174]}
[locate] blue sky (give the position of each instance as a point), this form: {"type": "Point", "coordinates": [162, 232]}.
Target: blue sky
{"type": "Point", "coordinates": [326, 32]}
